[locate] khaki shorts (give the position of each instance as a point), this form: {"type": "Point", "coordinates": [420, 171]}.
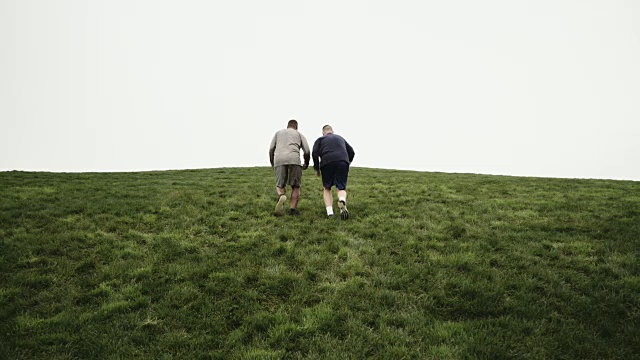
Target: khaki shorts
{"type": "Point", "coordinates": [288, 175]}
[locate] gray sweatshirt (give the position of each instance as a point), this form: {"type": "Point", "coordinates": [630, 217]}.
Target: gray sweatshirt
{"type": "Point", "coordinates": [285, 148]}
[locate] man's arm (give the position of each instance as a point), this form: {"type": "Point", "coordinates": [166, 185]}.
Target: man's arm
{"type": "Point", "coordinates": [272, 149]}
{"type": "Point", "coordinates": [306, 151]}
{"type": "Point", "coordinates": [314, 154]}
{"type": "Point", "coordinates": [350, 152]}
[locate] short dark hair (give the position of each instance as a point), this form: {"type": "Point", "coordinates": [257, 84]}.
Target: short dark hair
{"type": "Point", "coordinates": [292, 123]}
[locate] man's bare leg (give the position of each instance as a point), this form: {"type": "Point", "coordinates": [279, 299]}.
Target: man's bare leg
{"type": "Point", "coordinates": [295, 196]}
{"type": "Point", "coordinates": [342, 204]}
{"type": "Point", "coordinates": [342, 195]}
{"type": "Point", "coordinates": [328, 201]}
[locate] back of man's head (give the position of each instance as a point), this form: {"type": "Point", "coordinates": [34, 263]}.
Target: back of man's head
{"type": "Point", "coordinates": [292, 124]}
{"type": "Point", "coordinates": [327, 129]}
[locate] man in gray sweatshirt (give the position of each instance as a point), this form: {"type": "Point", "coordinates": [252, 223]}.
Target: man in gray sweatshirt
{"type": "Point", "coordinates": [284, 154]}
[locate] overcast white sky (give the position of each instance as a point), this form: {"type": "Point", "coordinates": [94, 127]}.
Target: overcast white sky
{"type": "Point", "coordinates": [537, 88]}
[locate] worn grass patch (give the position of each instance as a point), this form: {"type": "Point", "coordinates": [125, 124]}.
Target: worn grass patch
{"type": "Point", "coordinates": [191, 264]}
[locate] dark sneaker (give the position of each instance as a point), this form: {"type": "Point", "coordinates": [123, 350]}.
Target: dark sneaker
{"type": "Point", "coordinates": [294, 212]}
{"type": "Point", "coordinates": [344, 213]}
{"type": "Point", "coordinates": [279, 210]}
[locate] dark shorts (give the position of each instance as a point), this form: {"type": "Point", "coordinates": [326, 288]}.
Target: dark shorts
{"type": "Point", "coordinates": [335, 174]}
{"type": "Point", "coordinates": [288, 175]}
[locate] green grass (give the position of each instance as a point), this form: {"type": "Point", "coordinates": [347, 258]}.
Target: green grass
{"type": "Point", "coordinates": [192, 264]}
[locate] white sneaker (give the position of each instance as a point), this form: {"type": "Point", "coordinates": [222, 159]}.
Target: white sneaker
{"type": "Point", "coordinates": [280, 205]}
{"type": "Point", "coordinates": [344, 213]}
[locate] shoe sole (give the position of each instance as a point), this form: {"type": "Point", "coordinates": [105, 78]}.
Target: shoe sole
{"type": "Point", "coordinates": [344, 213]}
{"type": "Point", "coordinates": [279, 210]}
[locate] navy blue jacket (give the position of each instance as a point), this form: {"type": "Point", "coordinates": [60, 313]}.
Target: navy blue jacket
{"type": "Point", "coordinates": [331, 148]}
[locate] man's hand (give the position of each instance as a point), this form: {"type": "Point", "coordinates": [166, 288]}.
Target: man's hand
{"type": "Point", "coordinates": [305, 166]}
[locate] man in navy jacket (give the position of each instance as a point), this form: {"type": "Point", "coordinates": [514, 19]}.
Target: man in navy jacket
{"type": "Point", "coordinates": [335, 155]}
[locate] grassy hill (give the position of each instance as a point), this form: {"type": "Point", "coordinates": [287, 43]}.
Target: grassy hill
{"type": "Point", "coordinates": [192, 264]}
